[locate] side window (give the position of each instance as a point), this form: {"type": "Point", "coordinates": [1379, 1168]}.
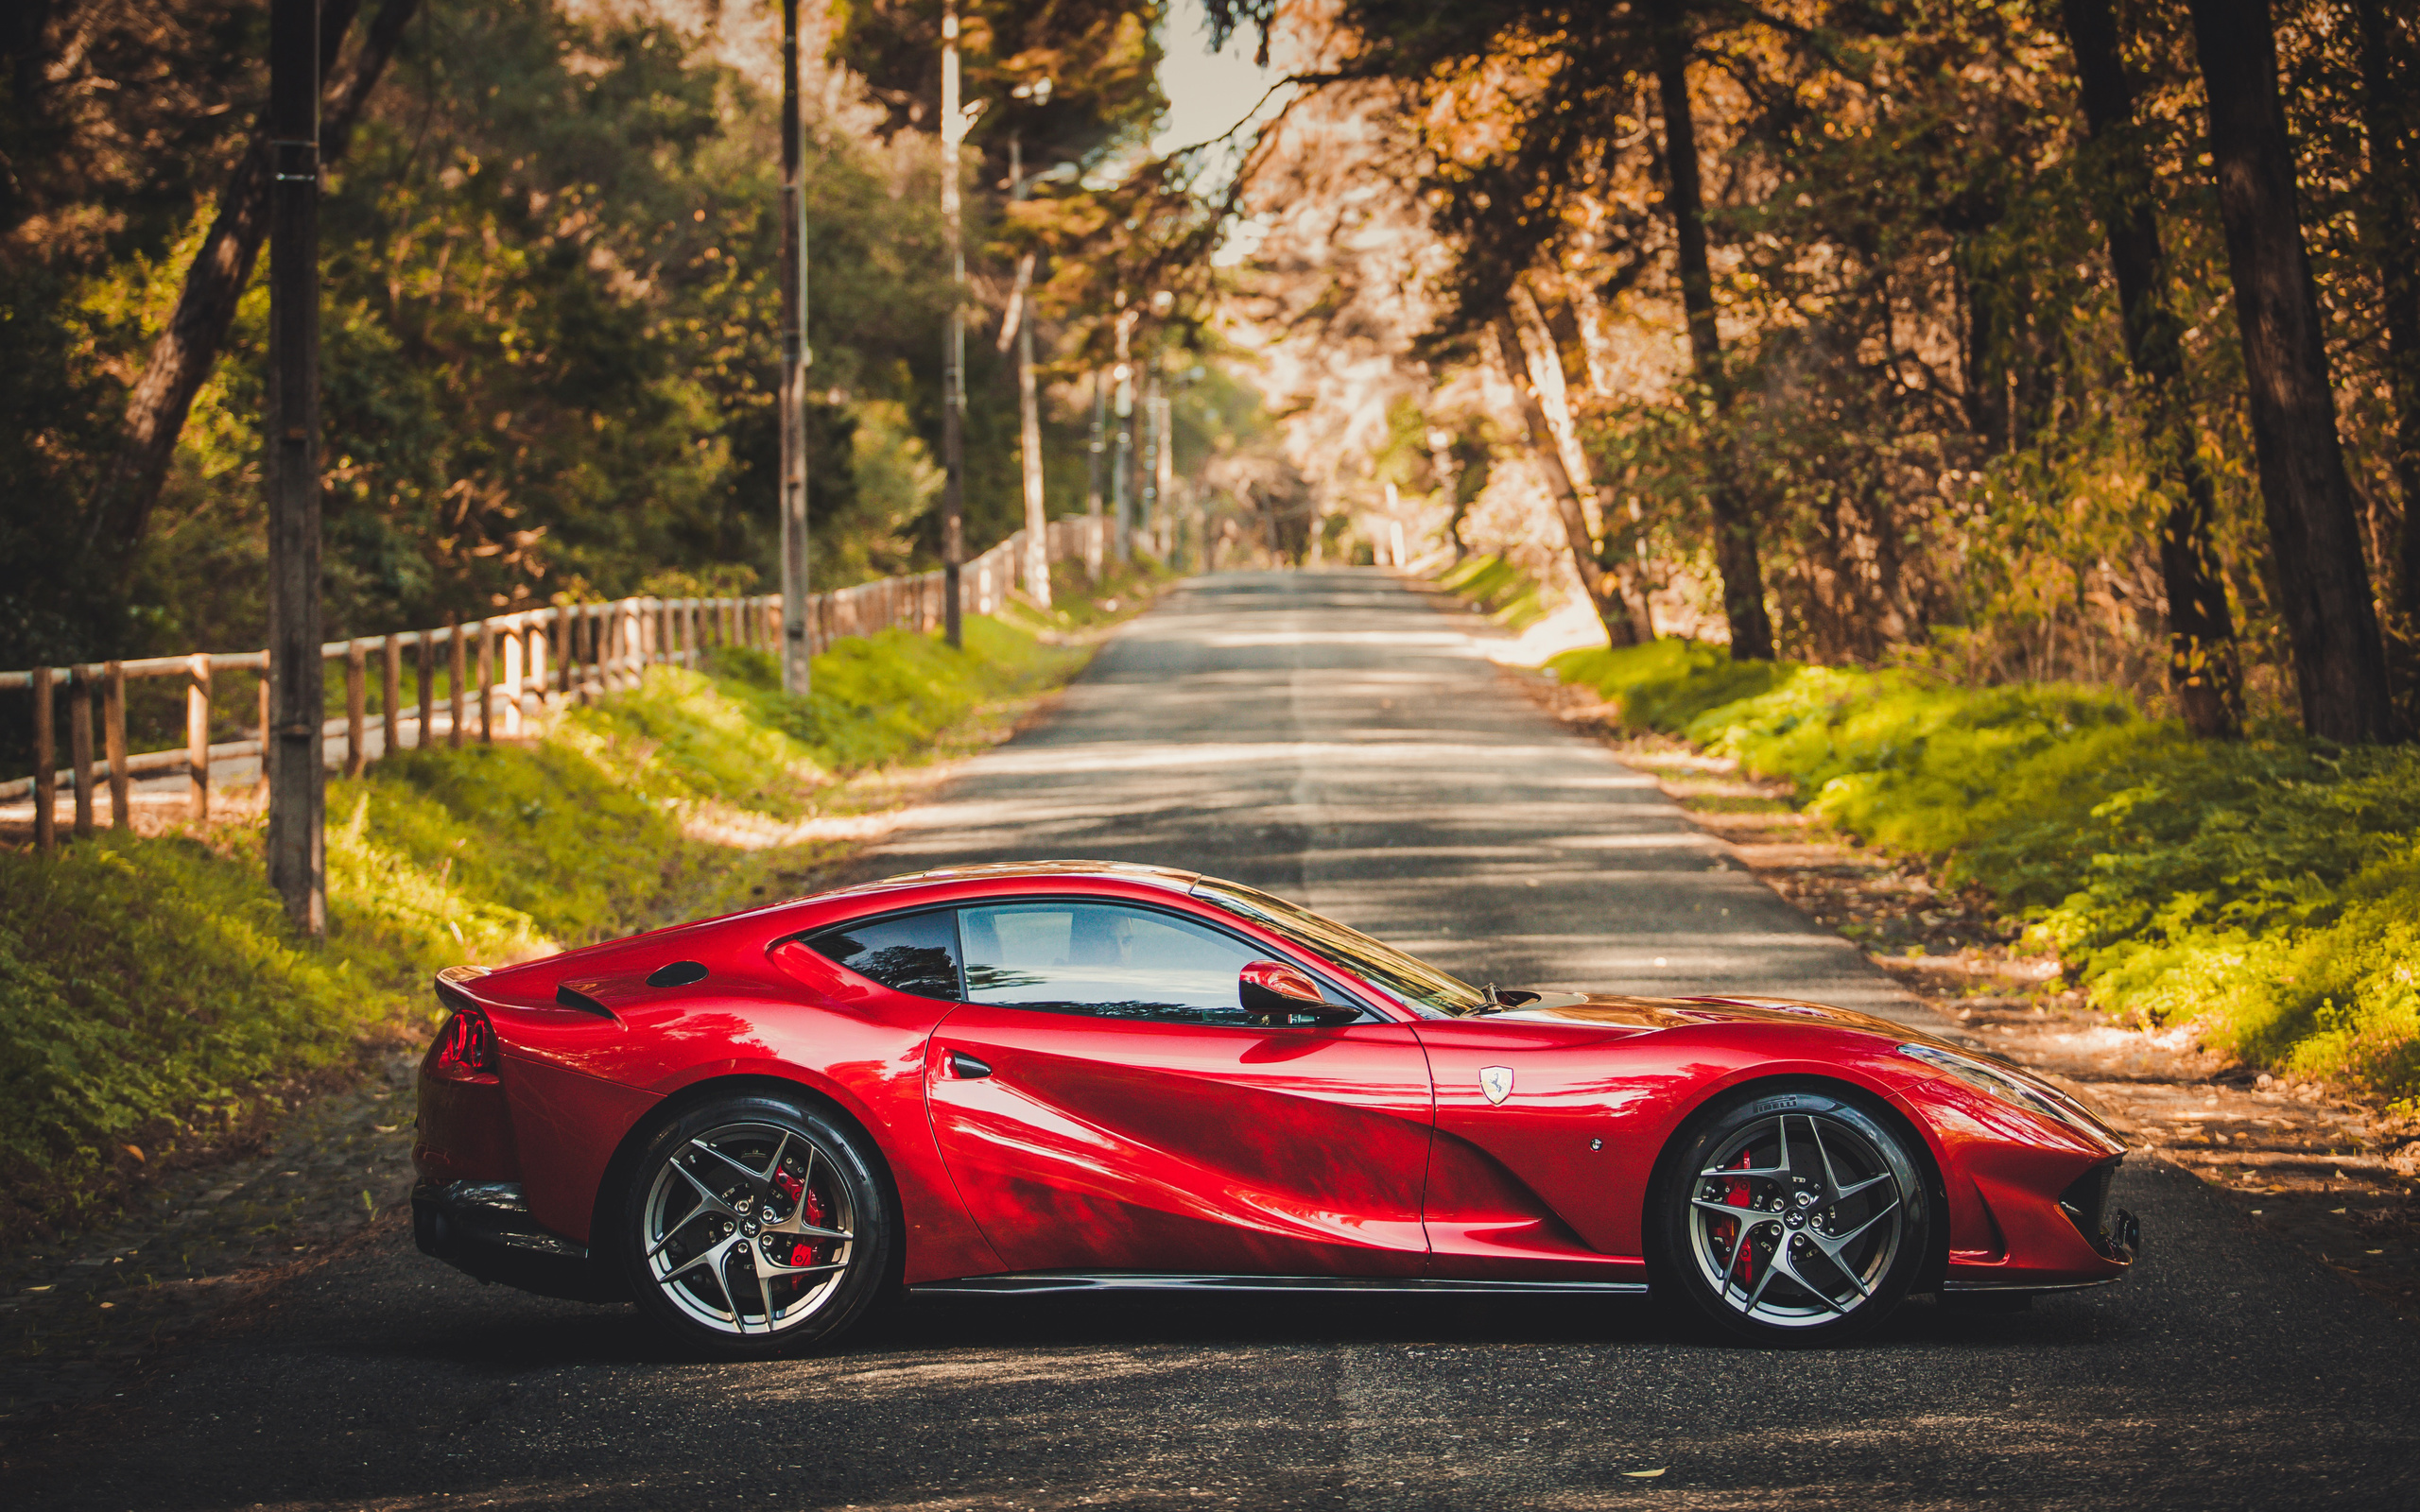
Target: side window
{"type": "Point", "coordinates": [916, 954]}
{"type": "Point", "coordinates": [1103, 959]}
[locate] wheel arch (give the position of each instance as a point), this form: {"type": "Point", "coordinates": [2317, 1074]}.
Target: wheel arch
{"type": "Point", "coordinates": [1936, 1261]}
{"type": "Point", "coordinates": [743, 1084]}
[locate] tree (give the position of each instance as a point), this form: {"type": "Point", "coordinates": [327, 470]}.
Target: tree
{"type": "Point", "coordinates": [1559, 79]}
{"type": "Point", "coordinates": [1735, 530]}
{"type": "Point", "coordinates": [2339, 661]}
{"type": "Point", "coordinates": [2391, 226]}
{"type": "Point", "coordinates": [1547, 451]}
{"type": "Point", "coordinates": [121, 501]}
{"type": "Point", "coordinates": [2204, 671]}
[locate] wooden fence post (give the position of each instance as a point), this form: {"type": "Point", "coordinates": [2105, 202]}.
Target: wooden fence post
{"type": "Point", "coordinates": [575, 653]}
{"type": "Point", "coordinates": [533, 640]}
{"type": "Point", "coordinates": [114, 744]}
{"type": "Point", "coordinates": [198, 733]}
{"type": "Point", "coordinates": [458, 667]}
{"type": "Point", "coordinates": [428, 688]}
{"type": "Point", "coordinates": [45, 767]}
{"type": "Point", "coordinates": [510, 677]}
{"type": "Point", "coordinates": [79, 744]}
{"type": "Point", "coordinates": [357, 709]}
{"type": "Point", "coordinates": [391, 696]}
{"type": "Point", "coordinates": [262, 725]}
{"type": "Point", "coordinates": [487, 680]}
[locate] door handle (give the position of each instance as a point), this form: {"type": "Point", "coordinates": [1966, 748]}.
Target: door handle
{"type": "Point", "coordinates": [967, 1068]}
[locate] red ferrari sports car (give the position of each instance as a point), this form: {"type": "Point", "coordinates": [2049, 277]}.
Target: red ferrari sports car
{"type": "Point", "coordinates": [1082, 1076]}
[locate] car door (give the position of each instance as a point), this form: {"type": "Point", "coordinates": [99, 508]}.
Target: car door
{"type": "Point", "coordinates": [1104, 1104]}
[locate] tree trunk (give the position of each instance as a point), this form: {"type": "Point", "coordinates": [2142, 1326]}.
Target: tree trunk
{"type": "Point", "coordinates": [2339, 663]}
{"type": "Point", "coordinates": [120, 505]}
{"type": "Point", "coordinates": [2202, 666]}
{"type": "Point", "coordinates": [1543, 446]}
{"type": "Point", "coordinates": [2387, 114]}
{"type": "Point", "coordinates": [1615, 555]}
{"type": "Point", "coordinates": [1735, 532]}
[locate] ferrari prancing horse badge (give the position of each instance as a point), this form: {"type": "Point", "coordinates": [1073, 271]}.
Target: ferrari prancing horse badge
{"type": "Point", "coordinates": [1496, 1081]}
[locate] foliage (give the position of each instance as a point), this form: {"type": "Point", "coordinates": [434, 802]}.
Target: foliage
{"type": "Point", "coordinates": [550, 260]}
{"type": "Point", "coordinates": [1498, 585]}
{"type": "Point", "coordinates": [151, 989]}
{"type": "Point", "coordinates": [1915, 380]}
{"type": "Point", "coordinates": [2264, 889]}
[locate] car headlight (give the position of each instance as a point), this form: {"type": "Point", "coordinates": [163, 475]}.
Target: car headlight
{"type": "Point", "coordinates": [1984, 1077]}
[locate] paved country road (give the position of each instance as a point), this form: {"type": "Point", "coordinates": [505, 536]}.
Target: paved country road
{"type": "Point", "coordinates": [1332, 737]}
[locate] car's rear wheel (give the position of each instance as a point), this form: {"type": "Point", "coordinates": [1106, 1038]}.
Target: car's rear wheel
{"type": "Point", "coordinates": [1792, 1218]}
{"type": "Point", "coordinates": [752, 1225]}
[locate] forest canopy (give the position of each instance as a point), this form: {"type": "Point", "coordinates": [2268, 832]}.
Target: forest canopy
{"type": "Point", "coordinates": [1899, 330]}
{"type": "Point", "coordinates": [550, 246]}
{"type": "Point", "coordinates": [2032, 340]}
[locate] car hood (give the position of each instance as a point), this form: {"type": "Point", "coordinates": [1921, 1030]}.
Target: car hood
{"type": "Point", "coordinates": [1617, 1012]}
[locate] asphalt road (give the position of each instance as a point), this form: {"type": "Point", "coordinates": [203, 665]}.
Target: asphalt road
{"type": "Point", "coordinates": [1331, 737]}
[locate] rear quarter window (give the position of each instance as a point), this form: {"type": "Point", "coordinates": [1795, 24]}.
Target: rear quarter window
{"type": "Point", "coordinates": [915, 953]}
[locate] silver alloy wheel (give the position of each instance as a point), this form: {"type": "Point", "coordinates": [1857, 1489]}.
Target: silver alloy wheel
{"type": "Point", "coordinates": [1796, 1220]}
{"type": "Point", "coordinates": [748, 1228]}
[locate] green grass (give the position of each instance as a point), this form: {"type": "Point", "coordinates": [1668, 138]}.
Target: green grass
{"type": "Point", "coordinates": [151, 991]}
{"type": "Point", "coordinates": [2264, 889]}
{"type": "Point", "coordinates": [1498, 585]}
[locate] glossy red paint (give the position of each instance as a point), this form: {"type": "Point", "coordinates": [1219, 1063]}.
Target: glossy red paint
{"type": "Point", "coordinates": [1024, 1140]}
{"type": "Point", "coordinates": [1104, 1143]}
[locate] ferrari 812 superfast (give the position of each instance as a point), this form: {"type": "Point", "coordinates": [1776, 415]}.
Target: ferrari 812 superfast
{"type": "Point", "coordinates": [1076, 1077]}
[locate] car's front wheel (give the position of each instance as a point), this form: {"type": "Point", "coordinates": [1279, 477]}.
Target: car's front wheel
{"type": "Point", "coordinates": [1792, 1218]}
{"type": "Point", "coordinates": [751, 1224]}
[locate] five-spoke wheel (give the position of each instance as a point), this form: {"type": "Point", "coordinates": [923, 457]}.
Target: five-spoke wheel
{"type": "Point", "coordinates": [750, 1224]}
{"type": "Point", "coordinates": [1793, 1218]}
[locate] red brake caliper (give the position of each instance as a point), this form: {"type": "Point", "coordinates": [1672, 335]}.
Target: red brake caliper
{"type": "Point", "coordinates": [791, 1187]}
{"type": "Point", "coordinates": [1737, 1197]}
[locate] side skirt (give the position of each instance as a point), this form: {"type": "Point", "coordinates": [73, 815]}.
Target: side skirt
{"type": "Point", "coordinates": [2024, 1288]}
{"type": "Point", "coordinates": [1044, 1282]}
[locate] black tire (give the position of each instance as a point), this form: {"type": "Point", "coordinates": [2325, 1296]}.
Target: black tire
{"type": "Point", "coordinates": [722, 1254]}
{"type": "Point", "coordinates": [1827, 1182]}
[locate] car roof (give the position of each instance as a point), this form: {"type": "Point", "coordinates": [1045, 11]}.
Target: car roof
{"type": "Point", "coordinates": [995, 871]}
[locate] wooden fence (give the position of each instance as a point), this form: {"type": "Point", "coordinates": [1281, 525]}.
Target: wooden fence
{"type": "Point", "coordinates": [499, 672]}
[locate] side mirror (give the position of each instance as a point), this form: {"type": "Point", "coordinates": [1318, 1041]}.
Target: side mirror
{"type": "Point", "coordinates": [1273, 989]}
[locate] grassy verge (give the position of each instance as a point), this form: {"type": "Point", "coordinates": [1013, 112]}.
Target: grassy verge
{"type": "Point", "coordinates": [1498, 585]}
{"type": "Point", "coordinates": [2266, 890]}
{"type": "Point", "coordinates": [153, 1004]}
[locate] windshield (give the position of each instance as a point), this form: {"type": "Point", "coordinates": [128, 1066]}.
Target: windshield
{"type": "Point", "coordinates": [1422, 988]}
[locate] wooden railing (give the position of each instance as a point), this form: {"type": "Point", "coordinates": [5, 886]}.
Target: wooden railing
{"type": "Point", "coordinates": [499, 672]}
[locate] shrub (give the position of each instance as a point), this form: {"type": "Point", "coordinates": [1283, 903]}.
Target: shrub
{"type": "Point", "coordinates": [2264, 889]}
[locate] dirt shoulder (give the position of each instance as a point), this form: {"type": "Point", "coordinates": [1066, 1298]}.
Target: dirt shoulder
{"type": "Point", "coordinates": [2338, 1177]}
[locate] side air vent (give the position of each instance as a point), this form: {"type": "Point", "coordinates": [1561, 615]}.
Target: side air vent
{"type": "Point", "coordinates": [2087, 1205]}
{"type": "Point", "coordinates": [572, 995]}
{"type": "Point", "coordinates": [679, 974]}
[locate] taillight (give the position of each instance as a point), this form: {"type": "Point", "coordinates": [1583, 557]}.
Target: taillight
{"type": "Point", "coordinates": [466, 1046]}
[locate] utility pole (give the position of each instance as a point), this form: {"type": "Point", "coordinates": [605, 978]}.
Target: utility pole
{"type": "Point", "coordinates": [1121, 474]}
{"type": "Point", "coordinates": [1148, 457]}
{"type": "Point", "coordinates": [1094, 456]}
{"type": "Point", "coordinates": [297, 784]}
{"type": "Point", "coordinates": [1037, 525]}
{"type": "Point", "coordinates": [954, 341]}
{"type": "Point", "coordinates": [1165, 468]}
{"type": "Point", "coordinates": [797, 668]}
